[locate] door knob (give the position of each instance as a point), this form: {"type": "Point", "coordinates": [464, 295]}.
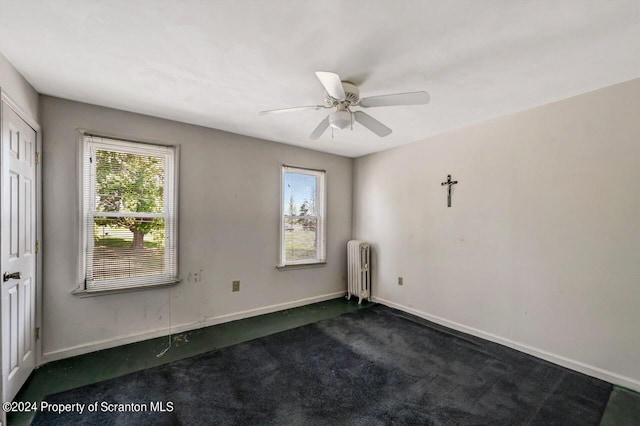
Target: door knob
{"type": "Point", "coordinates": [14, 275]}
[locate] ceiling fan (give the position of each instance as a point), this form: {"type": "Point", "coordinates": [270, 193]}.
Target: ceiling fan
{"type": "Point", "coordinates": [342, 95]}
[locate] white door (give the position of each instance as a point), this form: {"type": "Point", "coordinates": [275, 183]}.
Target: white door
{"type": "Point", "coordinates": [18, 251]}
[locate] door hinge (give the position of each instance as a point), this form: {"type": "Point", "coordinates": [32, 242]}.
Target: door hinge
{"type": "Point", "coordinates": [37, 158]}
{"type": "Point", "coordinates": [37, 333]}
{"type": "Point", "coordinates": [37, 246]}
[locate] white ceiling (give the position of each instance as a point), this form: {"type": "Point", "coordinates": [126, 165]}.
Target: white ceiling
{"type": "Point", "coordinates": [218, 63]}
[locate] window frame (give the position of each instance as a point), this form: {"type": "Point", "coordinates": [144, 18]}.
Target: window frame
{"type": "Point", "coordinates": [88, 139]}
{"type": "Point", "coordinates": [321, 212]}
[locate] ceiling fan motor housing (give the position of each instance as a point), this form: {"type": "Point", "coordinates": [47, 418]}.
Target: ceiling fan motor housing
{"type": "Point", "coordinates": [352, 94]}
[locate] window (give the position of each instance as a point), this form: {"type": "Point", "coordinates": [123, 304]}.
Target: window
{"type": "Point", "coordinates": [303, 216]}
{"type": "Point", "coordinates": [129, 216]}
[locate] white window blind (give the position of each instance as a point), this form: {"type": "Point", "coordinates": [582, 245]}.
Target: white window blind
{"type": "Point", "coordinates": [303, 225]}
{"type": "Point", "coordinates": [129, 214]}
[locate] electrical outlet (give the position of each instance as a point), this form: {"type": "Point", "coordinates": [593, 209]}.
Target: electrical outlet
{"type": "Point", "coordinates": [400, 281]}
{"type": "Point", "coordinates": [236, 286]}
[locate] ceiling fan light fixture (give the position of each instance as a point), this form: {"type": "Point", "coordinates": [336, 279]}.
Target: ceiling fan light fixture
{"type": "Point", "coordinates": [340, 119]}
{"type": "Point", "coordinates": [342, 95]}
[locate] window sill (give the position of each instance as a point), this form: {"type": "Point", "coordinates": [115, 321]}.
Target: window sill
{"type": "Point", "coordinates": [83, 292]}
{"type": "Point", "coordinates": [300, 266]}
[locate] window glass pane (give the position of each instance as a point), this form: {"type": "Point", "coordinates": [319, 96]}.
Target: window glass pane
{"type": "Point", "coordinates": [300, 193]}
{"type": "Point", "coordinates": [300, 233]}
{"type": "Point", "coordinates": [300, 238]}
{"type": "Point", "coordinates": [127, 182]}
{"type": "Point", "coordinates": [128, 247]}
{"type": "Point", "coordinates": [130, 214]}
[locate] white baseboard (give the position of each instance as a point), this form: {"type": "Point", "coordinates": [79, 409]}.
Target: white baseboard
{"type": "Point", "coordinates": [181, 328]}
{"type": "Point", "coordinates": [581, 367]}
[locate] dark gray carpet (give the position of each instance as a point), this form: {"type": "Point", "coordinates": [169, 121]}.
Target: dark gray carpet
{"type": "Point", "coordinates": [374, 366]}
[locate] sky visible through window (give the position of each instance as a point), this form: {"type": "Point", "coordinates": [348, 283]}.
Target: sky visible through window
{"type": "Point", "coordinates": [302, 187]}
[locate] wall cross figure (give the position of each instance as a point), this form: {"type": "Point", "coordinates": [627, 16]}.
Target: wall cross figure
{"type": "Point", "coordinates": [450, 183]}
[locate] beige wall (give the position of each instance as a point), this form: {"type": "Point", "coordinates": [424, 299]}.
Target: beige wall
{"type": "Point", "coordinates": [228, 230]}
{"type": "Point", "coordinates": [18, 89]}
{"type": "Point", "coordinates": [541, 249]}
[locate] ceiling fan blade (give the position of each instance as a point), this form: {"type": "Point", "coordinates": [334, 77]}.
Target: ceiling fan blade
{"type": "Point", "coordinates": [300, 108]}
{"type": "Point", "coordinates": [372, 124]}
{"type": "Point", "coordinates": [332, 84]}
{"type": "Point", "coordinates": [411, 98]}
{"type": "Point", "coordinates": [320, 129]}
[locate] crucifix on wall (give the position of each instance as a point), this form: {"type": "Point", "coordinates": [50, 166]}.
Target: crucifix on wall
{"type": "Point", "coordinates": [450, 183]}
